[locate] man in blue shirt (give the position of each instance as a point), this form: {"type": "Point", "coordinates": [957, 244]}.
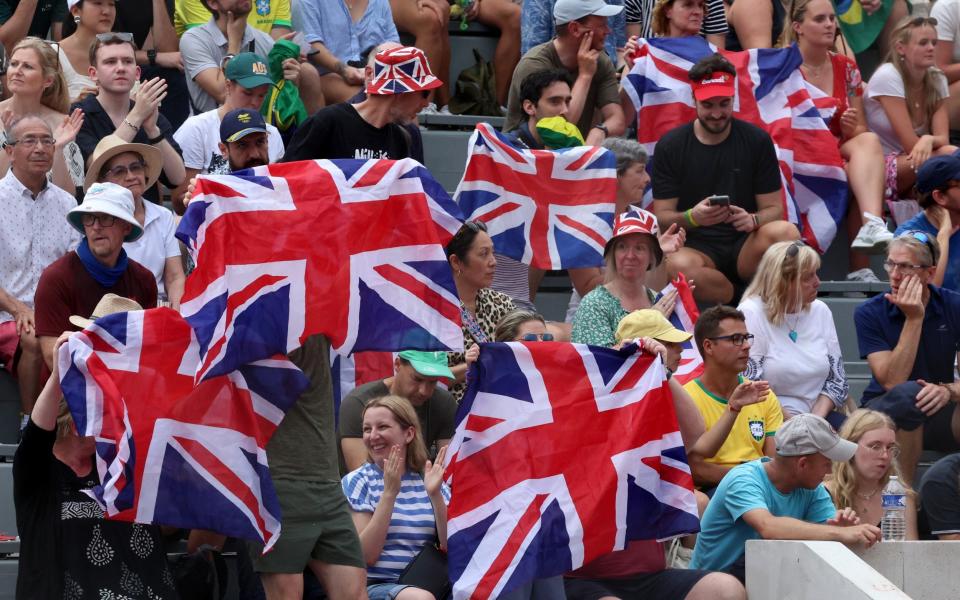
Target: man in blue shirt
{"type": "Point", "coordinates": [938, 182]}
{"type": "Point", "coordinates": [910, 340]}
{"type": "Point", "coordinates": [782, 498]}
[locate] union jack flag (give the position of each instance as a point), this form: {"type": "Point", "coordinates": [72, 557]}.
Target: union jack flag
{"type": "Point", "coordinates": [169, 451]}
{"type": "Point", "coordinates": [771, 93]}
{"type": "Point", "coordinates": [563, 453]}
{"type": "Point", "coordinates": [350, 249]}
{"type": "Point", "coordinates": [552, 209]}
{"type": "Point", "coordinates": [684, 317]}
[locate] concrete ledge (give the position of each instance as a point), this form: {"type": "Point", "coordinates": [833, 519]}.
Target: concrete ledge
{"type": "Point", "coordinates": [797, 570]}
{"type": "Point", "coordinates": [924, 570]}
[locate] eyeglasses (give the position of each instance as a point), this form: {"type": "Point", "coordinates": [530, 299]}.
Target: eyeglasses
{"type": "Point", "coordinates": [879, 449]}
{"type": "Point", "coordinates": [115, 36]}
{"type": "Point", "coordinates": [906, 268]}
{"type": "Point", "coordinates": [89, 219]}
{"type": "Point", "coordinates": [737, 339]}
{"type": "Point", "coordinates": [31, 141]}
{"type": "Point", "coordinates": [533, 337]}
{"type": "Point", "coordinates": [121, 171]}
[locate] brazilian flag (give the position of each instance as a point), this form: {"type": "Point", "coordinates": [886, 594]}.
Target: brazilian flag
{"type": "Point", "coordinates": [860, 29]}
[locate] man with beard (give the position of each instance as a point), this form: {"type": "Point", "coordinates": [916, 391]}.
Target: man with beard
{"type": "Point", "coordinates": [718, 178]}
{"type": "Point", "coordinates": [243, 139]}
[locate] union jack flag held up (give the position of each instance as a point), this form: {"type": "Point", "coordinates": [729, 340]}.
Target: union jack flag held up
{"type": "Point", "coordinates": [350, 249]}
{"type": "Point", "coordinates": [563, 453]}
{"type": "Point", "coordinates": [684, 317]}
{"type": "Point", "coordinates": [167, 451]}
{"type": "Point", "coordinates": [552, 209]}
{"type": "Point", "coordinates": [770, 93]}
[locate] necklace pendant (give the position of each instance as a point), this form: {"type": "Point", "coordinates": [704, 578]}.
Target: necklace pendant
{"type": "Point", "coordinates": [793, 335]}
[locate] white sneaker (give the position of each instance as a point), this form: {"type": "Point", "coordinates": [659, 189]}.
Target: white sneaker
{"type": "Point", "coordinates": [863, 276]}
{"type": "Point", "coordinates": [873, 237]}
{"type": "Point", "coordinates": [429, 109]}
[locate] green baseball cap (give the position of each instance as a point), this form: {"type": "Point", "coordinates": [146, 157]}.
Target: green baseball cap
{"type": "Point", "coordinates": [431, 364]}
{"type": "Point", "coordinates": [249, 70]}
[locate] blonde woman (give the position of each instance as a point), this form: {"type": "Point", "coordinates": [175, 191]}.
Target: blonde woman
{"type": "Point", "coordinates": [394, 495]}
{"type": "Point", "coordinates": [37, 87]}
{"type": "Point", "coordinates": [906, 103]}
{"type": "Point", "coordinates": [812, 25]}
{"type": "Point", "coordinates": [795, 346]}
{"type": "Point", "coordinates": [859, 482]}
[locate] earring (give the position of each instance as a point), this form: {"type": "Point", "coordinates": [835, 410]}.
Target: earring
{"type": "Point", "coordinates": [459, 272]}
{"type": "Point", "coordinates": [76, 19]}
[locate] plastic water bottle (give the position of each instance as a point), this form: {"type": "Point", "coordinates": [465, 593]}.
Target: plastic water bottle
{"type": "Point", "coordinates": [893, 525]}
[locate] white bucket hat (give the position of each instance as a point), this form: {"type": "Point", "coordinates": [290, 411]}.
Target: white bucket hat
{"type": "Point", "coordinates": [109, 199]}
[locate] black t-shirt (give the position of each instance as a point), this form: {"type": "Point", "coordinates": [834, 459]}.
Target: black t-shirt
{"type": "Point", "coordinates": [67, 549]}
{"type": "Point", "coordinates": [338, 131]}
{"type": "Point", "coordinates": [137, 18]}
{"type": "Point", "coordinates": [741, 166]}
{"type": "Point", "coordinates": [940, 494]}
{"type": "Point", "coordinates": [46, 13]}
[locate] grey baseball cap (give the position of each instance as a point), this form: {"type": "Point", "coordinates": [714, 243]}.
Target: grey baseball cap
{"type": "Point", "coordinates": [809, 434]}
{"type": "Point", "coordinates": [565, 11]}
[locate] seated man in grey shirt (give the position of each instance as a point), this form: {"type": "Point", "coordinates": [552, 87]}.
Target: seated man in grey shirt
{"type": "Point", "coordinates": [415, 378]}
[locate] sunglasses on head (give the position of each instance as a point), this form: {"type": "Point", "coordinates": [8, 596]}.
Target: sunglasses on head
{"type": "Point", "coordinates": [115, 36]}
{"type": "Point", "coordinates": [794, 248]}
{"type": "Point", "coordinates": [918, 21]}
{"type": "Point", "coordinates": [924, 238]}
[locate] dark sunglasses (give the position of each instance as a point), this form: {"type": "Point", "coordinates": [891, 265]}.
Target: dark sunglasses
{"type": "Point", "coordinates": [537, 337]}
{"type": "Point", "coordinates": [794, 248]}
{"type": "Point", "coordinates": [115, 36]}
{"type": "Point", "coordinates": [475, 226]}
{"type": "Point", "coordinates": [918, 21]}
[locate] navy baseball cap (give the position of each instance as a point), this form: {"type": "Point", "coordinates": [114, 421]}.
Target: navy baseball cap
{"type": "Point", "coordinates": [239, 123]}
{"type": "Point", "coordinates": [937, 171]}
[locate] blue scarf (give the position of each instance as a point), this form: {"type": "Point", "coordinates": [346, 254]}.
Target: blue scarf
{"type": "Point", "coordinates": [104, 275]}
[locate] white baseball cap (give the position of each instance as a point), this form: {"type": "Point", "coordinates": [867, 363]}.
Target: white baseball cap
{"type": "Point", "coordinates": [565, 11]}
{"type": "Point", "coordinates": [807, 433]}
{"type": "Point", "coordinates": [109, 199]}
{"type": "Point", "coordinates": [72, 3]}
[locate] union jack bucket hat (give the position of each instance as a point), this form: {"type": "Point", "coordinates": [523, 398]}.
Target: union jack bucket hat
{"type": "Point", "coordinates": [636, 220]}
{"type": "Point", "coordinates": [401, 71]}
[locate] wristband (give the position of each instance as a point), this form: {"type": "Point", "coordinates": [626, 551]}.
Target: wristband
{"type": "Point", "coordinates": [688, 215]}
{"type": "Point", "coordinates": [732, 409]}
{"type": "Point", "coordinates": [152, 57]}
{"type": "Point", "coordinates": [756, 221]}
{"type": "Point", "coordinates": [156, 140]}
{"type": "Point", "coordinates": [131, 125]}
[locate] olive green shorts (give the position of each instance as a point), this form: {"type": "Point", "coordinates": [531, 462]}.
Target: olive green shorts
{"type": "Point", "coordinates": [316, 525]}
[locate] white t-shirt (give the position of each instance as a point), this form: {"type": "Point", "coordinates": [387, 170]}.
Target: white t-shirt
{"type": "Point", "coordinates": [199, 139]}
{"type": "Point", "coordinates": [798, 371]}
{"type": "Point", "coordinates": [157, 243]}
{"type": "Point", "coordinates": [886, 81]}
{"type": "Point", "coordinates": [947, 14]}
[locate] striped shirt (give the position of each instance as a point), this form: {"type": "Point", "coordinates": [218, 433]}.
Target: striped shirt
{"type": "Point", "coordinates": [412, 525]}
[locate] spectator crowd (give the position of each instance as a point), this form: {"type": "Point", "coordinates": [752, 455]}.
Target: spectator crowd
{"type": "Point", "coordinates": [110, 109]}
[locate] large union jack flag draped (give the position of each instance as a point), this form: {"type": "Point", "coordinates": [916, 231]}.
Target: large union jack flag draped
{"type": "Point", "coordinates": [350, 249]}
{"type": "Point", "coordinates": [684, 318]}
{"type": "Point", "coordinates": [563, 453]}
{"type": "Point", "coordinates": [772, 94]}
{"type": "Point", "coordinates": [167, 451]}
{"type": "Point", "coordinates": [552, 209]}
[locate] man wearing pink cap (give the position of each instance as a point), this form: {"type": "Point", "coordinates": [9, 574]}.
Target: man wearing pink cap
{"type": "Point", "coordinates": [397, 89]}
{"type": "Point", "coordinates": [718, 177]}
